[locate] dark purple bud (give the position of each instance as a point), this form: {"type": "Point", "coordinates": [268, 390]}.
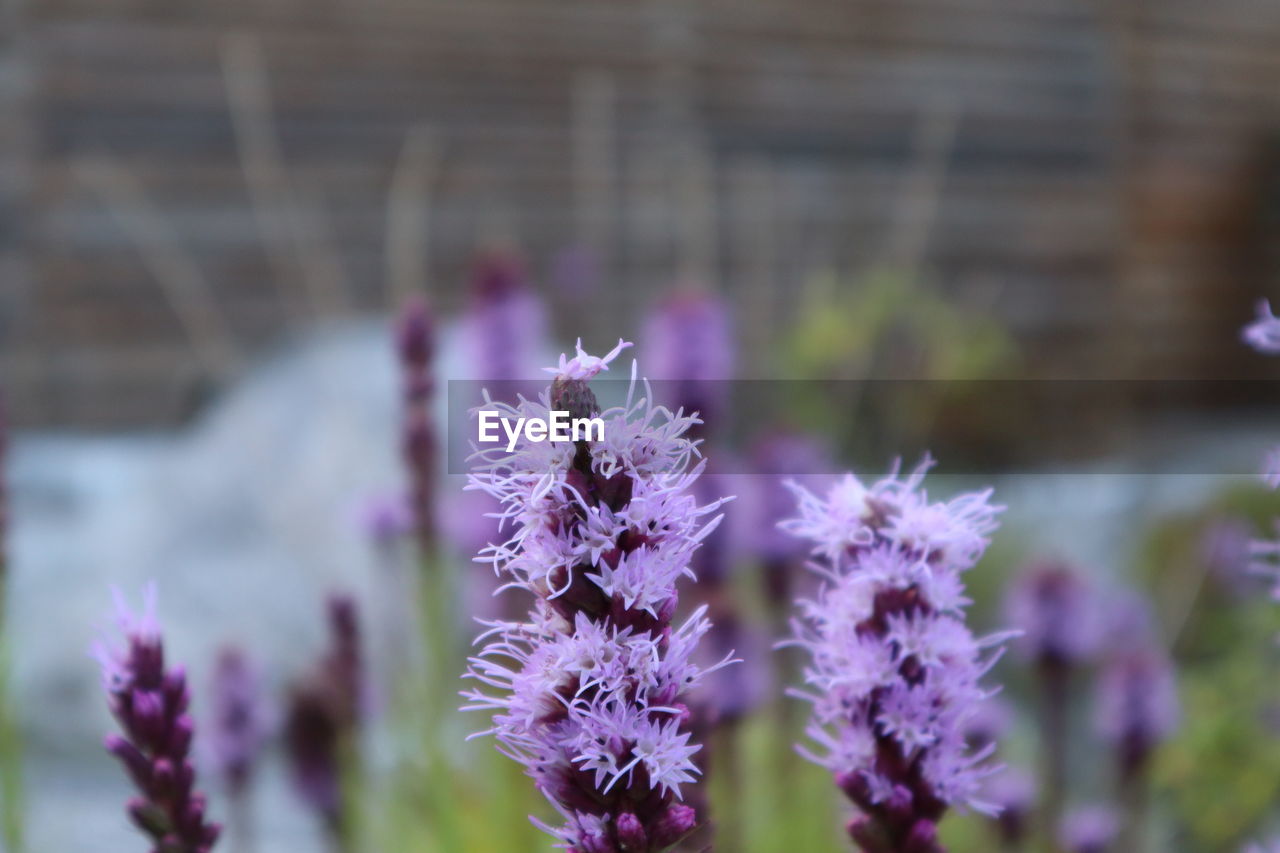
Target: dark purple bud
{"type": "Point", "coordinates": [414, 335]}
{"type": "Point", "coordinates": [573, 396]}
{"type": "Point", "coordinates": [148, 816]}
{"type": "Point", "coordinates": [135, 763]}
{"type": "Point", "coordinates": [867, 835]}
{"type": "Point", "coordinates": [672, 825]}
{"type": "Point", "coordinates": [181, 736]}
{"type": "Point", "coordinates": [923, 838]}
{"type": "Point", "coordinates": [631, 834]}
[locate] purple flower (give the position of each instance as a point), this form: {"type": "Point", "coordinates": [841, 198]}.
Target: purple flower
{"type": "Point", "coordinates": [690, 337]}
{"type": "Point", "coordinates": [239, 721]}
{"type": "Point", "coordinates": [588, 693]}
{"type": "Point", "coordinates": [894, 672]}
{"type": "Point", "coordinates": [150, 702]}
{"type": "Point", "coordinates": [323, 713]}
{"type": "Point", "coordinates": [1137, 704]}
{"type": "Point", "coordinates": [505, 325]}
{"type": "Point", "coordinates": [1263, 334]}
{"type": "Point", "coordinates": [1091, 829]}
{"type": "Point", "coordinates": [1055, 608]}
{"type": "Point", "coordinates": [415, 343]}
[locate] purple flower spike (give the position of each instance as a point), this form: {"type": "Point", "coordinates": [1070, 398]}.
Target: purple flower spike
{"type": "Point", "coordinates": [1137, 704]}
{"type": "Point", "coordinates": [324, 712]}
{"type": "Point", "coordinates": [505, 326]}
{"type": "Point", "coordinates": [1092, 829]}
{"type": "Point", "coordinates": [1055, 608]}
{"type": "Point", "coordinates": [894, 671]}
{"type": "Point", "coordinates": [589, 692]}
{"type": "Point", "coordinates": [415, 343]}
{"type": "Point", "coordinates": [239, 724]}
{"type": "Point", "coordinates": [1263, 334]}
{"type": "Point", "coordinates": [150, 702]}
{"type": "Point", "coordinates": [690, 336]}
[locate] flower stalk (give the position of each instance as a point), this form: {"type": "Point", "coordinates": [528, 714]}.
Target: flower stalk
{"type": "Point", "coordinates": [150, 701]}
{"type": "Point", "coordinates": [589, 692]}
{"type": "Point", "coordinates": [894, 672]}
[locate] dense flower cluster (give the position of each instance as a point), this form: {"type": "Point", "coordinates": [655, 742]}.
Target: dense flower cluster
{"type": "Point", "coordinates": [894, 671]}
{"type": "Point", "coordinates": [150, 702]}
{"type": "Point", "coordinates": [588, 692]}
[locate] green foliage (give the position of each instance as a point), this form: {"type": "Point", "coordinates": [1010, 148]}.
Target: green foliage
{"type": "Point", "coordinates": [11, 786]}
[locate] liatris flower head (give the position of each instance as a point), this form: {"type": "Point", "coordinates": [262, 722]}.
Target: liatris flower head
{"type": "Point", "coordinates": [588, 693]}
{"type": "Point", "coordinates": [690, 339]}
{"type": "Point", "coordinates": [238, 726]}
{"type": "Point", "coordinates": [1263, 334]}
{"type": "Point", "coordinates": [1055, 607]}
{"type": "Point", "coordinates": [150, 701]}
{"type": "Point", "coordinates": [324, 711]}
{"type": "Point", "coordinates": [1137, 704]}
{"type": "Point", "coordinates": [1090, 829]}
{"type": "Point", "coordinates": [895, 673]}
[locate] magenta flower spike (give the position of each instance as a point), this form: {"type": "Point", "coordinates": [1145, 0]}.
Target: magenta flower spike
{"type": "Point", "coordinates": [894, 672]}
{"type": "Point", "coordinates": [150, 702]}
{"type": "Point", "coordinates": [589, 693]}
